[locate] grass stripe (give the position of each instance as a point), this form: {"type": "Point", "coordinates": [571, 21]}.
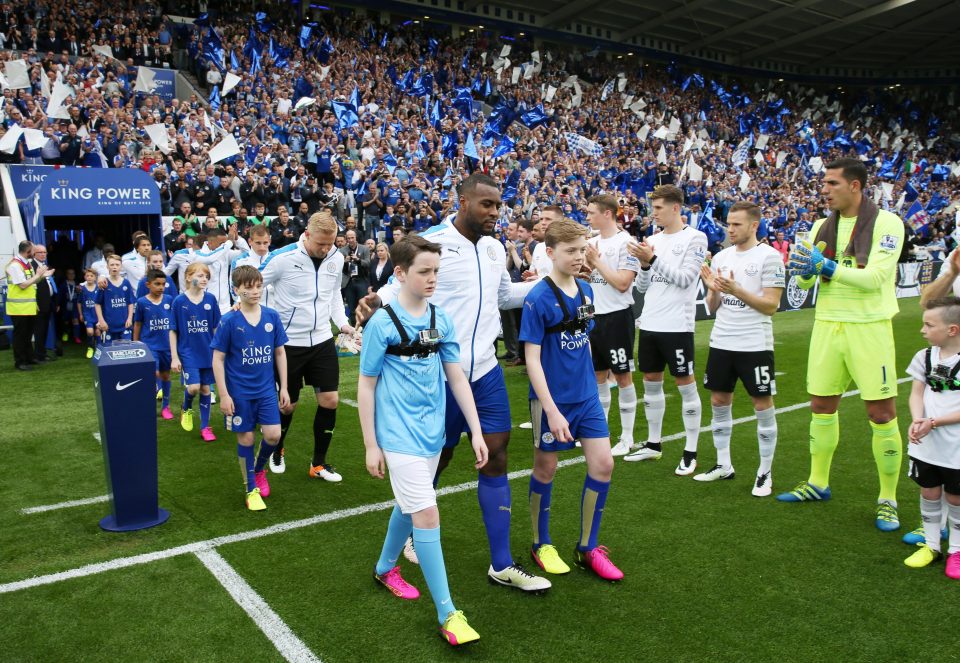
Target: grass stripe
{"type": "Point", "coordinates": [199, 546]}
{"type": "Point", "coordinates": [287, 643]}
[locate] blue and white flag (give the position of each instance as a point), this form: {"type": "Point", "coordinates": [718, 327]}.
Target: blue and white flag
{"type": "Point", "coordinates": [470, 148]}
{"type": "Point", "coordinates": [917, 217]}
{"type": "Point", "coordinates": [583, 144]}
{"type": "Point", "coordinates": [742, 154]}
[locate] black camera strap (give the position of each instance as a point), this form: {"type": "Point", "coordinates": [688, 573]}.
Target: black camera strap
{"type": "Point", "coordinates": [568, 324]}
{"type": "Point", "coordinates": [408, 348]}
{"type": "Point", "coordinates": [937, 382]}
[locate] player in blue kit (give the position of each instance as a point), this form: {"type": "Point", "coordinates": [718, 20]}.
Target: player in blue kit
{"type": "Point", "coordinates": [247, 347]}
{"type": "Point", "coordinates": [408, 348]}
{"type": "Point", "coordinates": [87, 307]}
{"type": "Point", "coordinates": [564, 400]}
{"type": "Point", "coordinates": [151, 325]}
{"type": "Point", "coordinates": [115, 303]}
{"type": "Point", "coordinates": [196, 315]}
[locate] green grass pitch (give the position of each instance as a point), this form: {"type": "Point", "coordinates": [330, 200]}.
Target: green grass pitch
{"type": "Point", "coordinates": [712, 573]}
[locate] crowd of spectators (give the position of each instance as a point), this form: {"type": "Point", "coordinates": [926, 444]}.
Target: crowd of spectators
{"type": "Point", "coordinates": [563, 127]}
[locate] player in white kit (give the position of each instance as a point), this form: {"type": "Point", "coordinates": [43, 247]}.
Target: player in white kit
{"type": "Point", "coordinates": [670, 264]}
{"type": "Point", "coordinates": [613, 271]}
{"type": "Point", "coordinates": [745, 282]}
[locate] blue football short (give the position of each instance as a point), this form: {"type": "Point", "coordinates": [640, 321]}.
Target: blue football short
{"type": "Point", "coordinates": [194, 375]}
{"type": "Point", "coordinates": [585, 420]}
{"type": "Point", "coordinates": [249, 412]}
{"type": "Point", "coordinates": [493, 408]}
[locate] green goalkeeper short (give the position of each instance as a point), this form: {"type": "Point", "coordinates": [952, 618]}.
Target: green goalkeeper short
{"type": "Point", "coordinates": [861, 351]}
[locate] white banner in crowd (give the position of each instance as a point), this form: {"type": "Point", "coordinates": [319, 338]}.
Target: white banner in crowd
{"type": "Point", "coordinates": [146, 80]}
{"type": "Point", "coordinates": [230, 81]}
{"type": "Point", "coordinates": [16, 74]}
{"type": "Point", "coordinates": [158, 134]}
{"type": "Point", "coordinates": [35, 138]}
{"type": "Point", "coordinates": [9, 141]}
{"type": "Point", "coordinates": [696, 172]}
{"type": "Point", "coordinates": [744, 181]}
{"type": "Point", "coordinates": [226, 148]}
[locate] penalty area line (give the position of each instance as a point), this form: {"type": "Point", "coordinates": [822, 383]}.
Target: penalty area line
{"type": "Point", "coordinates": [341, 514]}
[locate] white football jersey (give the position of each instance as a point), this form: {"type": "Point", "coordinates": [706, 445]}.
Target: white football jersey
{"type": "Point", "coordinates": [739, 327]}
{"type": "Point", "coordinates": [670, 285]}
{"type": "Point", "coordinates": [613, 252]}
{"type": "Point", "coordinates": [941, 446]}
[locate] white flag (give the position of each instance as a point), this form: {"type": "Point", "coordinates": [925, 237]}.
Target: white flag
{"type": "Point", "coordinates": [9, 141]}
{"type": "Point", "coordinates": [696, 172]}
{"type": "Point", "coordinates": [146, 80]}
{"type": "Point", "coordinates": [44, 85]}
{"type": "Point", "coordinates": [643, 133]}
{"type": "Point", "coordinates": [304, 101]}
{"type": "Point", "coordinates": [103, 50]}
{"type": "Point", "coordinates": [158, 134]}
{"type": "Point", "coordinates": [230, 81]}
{"type": "Point", "coordinates": [815, 164]}
{"type": "Point", "coordinates": [621, 84]}
{"type": "Point", "coordinates": [627, 100]}
{"type": "Point", "coordinates": [661, 133]}
{"type": "Point", "coordinates": [762, 141]}
{"type": "Point", "coordinates": [675, 125]}
{"type": "Point", "coordinates": [758, 157]}
{"type": "Point", "coordinates": [887, 189]}
{"type": "Point", "coordinates": [323, 72]}
{"type": "Point", "coordinates": [529, 71]}
{"type": "Point", "coordinates": [35, 139]}
{"type": "Point", "coordinates": [505, 51]}
{"type": "Point", "coordinates": [535, 56]}
{"type": "Point", "coordinates": [744, 181]}
{"type": "Point", "coordinates": [687, 144]}
{"type": "Point", "coordinates": [226, 148]}
{"type": "Point", "coordinates": [515, 76]}
{"type": "Point", "coordinates": [16, 73]}
{"type": "Point", "coordinates": [662, 155]}
{"type": "Point", "coordinates": [208, 124]}
{"type": "Point", "coordinates": [550, 92]}
{"type": "Point", "coordinates": [781, 157]}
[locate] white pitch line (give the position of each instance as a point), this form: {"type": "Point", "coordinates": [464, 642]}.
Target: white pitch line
{"type": "Point", "coordinates": [350, 402]}
{"type": "Point", "coordinates": [65, 505]}
{"type": "Point", "coordinates": [199, 546]}
{"type": "Point", "coordinates": [287, 643]}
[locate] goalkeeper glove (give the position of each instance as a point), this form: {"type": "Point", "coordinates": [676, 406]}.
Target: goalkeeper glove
{"type": "Point", "coordinates": [808, 260]}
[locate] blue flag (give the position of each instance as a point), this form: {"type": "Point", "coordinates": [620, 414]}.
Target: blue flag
{"type": "Point", "coordinates": [390, 162]}
{"type": "Point", "coordinates": [383, 39]}
{"type": "Point", "coordinates": [355, 98]}
{"type": "Point", "coordinates": [234, 61]}
{"type": "Point", "coordinates": [302, 88]}
{"type": "Point", "coordinates": [504, 147]}
{"type": "Point", "coordinates": [305, 32]}
{"type": "Point", "coordinates": [917, 217]}
{"type": "Point", "coordinates": [940, 173]}
{"type": "Point", "coordinates": [435, 115]}
{"type": "Point", "coordinates": [254, 63]}
{"type": "Point", "coordinates": [325, 50]}
{"type": "Point", "coordinates": [910, 192]}
{"type": "Point", "coordinates": [463, 102]}
{"type": "Point", "coordinates": [215, 98]}
{"type": "Point", "coordinates": [346, 114]}
{"type": "Point", "coordinates": [449, 146]}
{"type": "Point", "coordinates": [534, 117]}
{"type": "Point", "coordinates": [470, 148]}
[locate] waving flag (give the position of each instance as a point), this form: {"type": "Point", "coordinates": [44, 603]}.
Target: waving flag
{"type": "Point", "coordinates": [583, 144]}
{"type": "Point", "coordinates": [346, 114]}
{"type": "Point", "coordinates": [504, 147]}
{"type": "Point", "coordinates": [534, 117]}
{"type": "Point", "coordinates": [742, 154]}
{"type": "Point", "coordinates": [917, 217]}
{"type": "Point", "coordinates": [470, 148]}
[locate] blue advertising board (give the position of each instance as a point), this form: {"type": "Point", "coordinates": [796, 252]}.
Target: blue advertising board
{"type": "Point", "coordinates": [71, 191]}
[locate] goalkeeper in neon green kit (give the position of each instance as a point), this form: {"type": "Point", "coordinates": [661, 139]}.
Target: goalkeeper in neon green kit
{"type": "Point", "coordinates": [854, 252]}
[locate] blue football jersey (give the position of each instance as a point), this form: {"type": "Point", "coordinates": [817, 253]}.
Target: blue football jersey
{"type": "Point", "coordinates": [565, 356]}
{"type": "Point", "coordinates": [155, 322]}
{"type": "Point", "coordinates": [169, 288]}
{"type": "Point", "coordinates": [249, 350]}
{"type": "Point", "coordinates": [114, 300]}
{"type": "Point", "coordinates": [88, 304]}
{"type": "Point", "coordinates": [194, 324]}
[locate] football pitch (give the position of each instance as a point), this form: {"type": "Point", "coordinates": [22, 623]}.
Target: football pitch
{"type": "Point", "coordinates": [712, 573]}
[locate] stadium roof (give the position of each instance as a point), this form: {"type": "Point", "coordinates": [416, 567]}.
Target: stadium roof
{"type": "Point", "coordinates": [816, 37]}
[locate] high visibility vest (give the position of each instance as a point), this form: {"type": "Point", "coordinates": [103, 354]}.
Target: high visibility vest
{"type": "Point", "coordinates": [22, 301]}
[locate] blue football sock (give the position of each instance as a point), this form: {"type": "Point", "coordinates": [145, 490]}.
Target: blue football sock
{"type": "Point", "coordinates": [398, 531]}
{"type": "Point", "coordinates": [493, 493]}
{"type": "Point", "coordinates": [246, 466]}
{"type": "Point", "coordinates": [187, 400]}
{"type": "Point", "coordinates": [205, 411]}
{"type": "Point", "coordinates": [592, 501]}
{"type": "Point", "coordinates": [157, 380]}
{"type": "Point", "coordinates": [540, 511]}
{"type": "Point", "coordinates": [165, 389]}
{"type": "Point", "coordinates": [265, 450]}
{"type": "Point", "coordinates": [427, 543]}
